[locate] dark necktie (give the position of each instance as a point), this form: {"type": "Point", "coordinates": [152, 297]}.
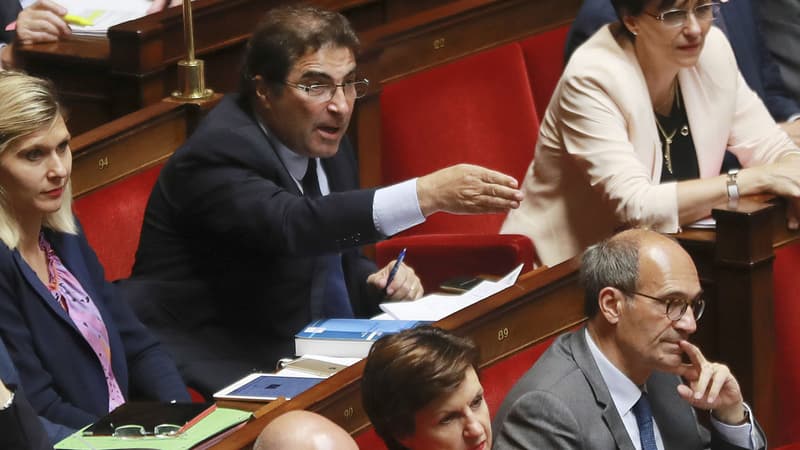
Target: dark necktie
{"type": "Point", "coordinates": [328, 287]}
{"type": "Point", "coordinates": [644, 419]}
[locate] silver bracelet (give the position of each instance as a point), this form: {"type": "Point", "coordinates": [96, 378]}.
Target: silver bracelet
{"type": "Point", "coordinates": [732, 185]}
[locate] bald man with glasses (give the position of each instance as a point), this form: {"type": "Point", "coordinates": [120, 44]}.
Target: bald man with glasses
{"type": "Point", "coordinates": [630, 379]}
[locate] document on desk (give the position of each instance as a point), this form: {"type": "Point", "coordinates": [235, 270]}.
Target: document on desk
{"type": "Point", "coordinates": [435, 307]}
{"type": "Point", "coordinates": [102, 14]}
{"type": "Point", "coordinates": [703, 224]}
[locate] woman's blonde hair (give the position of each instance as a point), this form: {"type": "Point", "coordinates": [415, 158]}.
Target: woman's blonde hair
{"type": "Point", "coordinates": [28, 105]}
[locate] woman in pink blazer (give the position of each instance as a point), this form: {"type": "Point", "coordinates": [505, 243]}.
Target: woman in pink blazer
{"type": "Point", "coordinates": [637, 128]}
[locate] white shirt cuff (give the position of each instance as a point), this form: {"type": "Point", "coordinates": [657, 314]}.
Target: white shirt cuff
{"type": "Point", "coordinates": [739, 435]}
{"type": "Point", "coordinates": [793, 117]}
{"type": "Point", "coordinates": [396, 208]}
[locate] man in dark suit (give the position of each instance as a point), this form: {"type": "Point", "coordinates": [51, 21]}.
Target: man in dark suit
{"type": "Point", "coordinates": [738, 22]}
{"type": "Point", "coordinates": [254, 226]}
{"type": "Point", "coordinates": [22, 429]}
{"type": "Point", "coordinates": [780, 22]}
{"type": "Point", "coordinates": [615, 383]}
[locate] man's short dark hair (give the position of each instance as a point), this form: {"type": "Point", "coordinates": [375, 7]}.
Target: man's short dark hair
{"type": "Point", "coordinates": [286, 34]}
{"type": "Point", "coordinates": [613, 262]}
{"type": "Point", "coordinates": [406, 371]}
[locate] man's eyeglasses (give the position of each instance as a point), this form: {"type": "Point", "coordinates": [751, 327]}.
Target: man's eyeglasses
{"type": "Point", "coordinates": [138, 431]}
{"type": "Point", "coordinates": [324, 92]}
{"type": "Point", "coordinates": [678, 17]}
{"type": "Point", "coordinates": [676, 307]}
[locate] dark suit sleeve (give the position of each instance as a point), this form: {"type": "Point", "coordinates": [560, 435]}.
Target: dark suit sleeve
{"type": "Point", "coordinates": [591, 17]}
{"type": "Point", "coordinates": [40, 386]}
{"type": "Point", "coordinates": [151, 371]}
{"type": "Point", "coordinates": [538, 420]}
{"type": "Point", "coordinates": [21, 429]}
{"type": "Point", "coordinates": [779, 101]}
{"type": "Point", "coordinates": [236, 198]}
{"type": "Point", "coordinates": [363, 297]}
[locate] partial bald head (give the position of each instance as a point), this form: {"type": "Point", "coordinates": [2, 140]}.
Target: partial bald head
{"type": "Point", "coordinates": [626, 259]}
{"type": "Point", "coordinates": [303, 430]}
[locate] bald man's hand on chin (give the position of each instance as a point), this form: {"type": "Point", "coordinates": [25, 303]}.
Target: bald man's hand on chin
{"type": "Point", "coordinates": [467, 189]}
{"type": "Point", "coordinates": [711, 386]}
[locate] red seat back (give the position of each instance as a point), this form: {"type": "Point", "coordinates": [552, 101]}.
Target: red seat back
{"type": "Point", "coordinates": [475, 110]}
{"type": "Point", "coordinates": [544, 58]}
{"type": "Point", "coordinates": [787, 342]}
{"type": "Point", "coordinates": [369, 440]}
{"type": "Point", "coordinates": [499, 378]}
{"type": "Point", "coordinates": [112, 220]}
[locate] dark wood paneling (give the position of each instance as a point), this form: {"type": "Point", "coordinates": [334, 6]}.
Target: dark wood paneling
{"type": "Point", "coordinates": [101, 79]}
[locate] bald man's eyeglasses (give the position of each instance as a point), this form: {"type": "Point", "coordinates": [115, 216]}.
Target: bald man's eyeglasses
{"type": "Point", "coordinates": [676, 307]}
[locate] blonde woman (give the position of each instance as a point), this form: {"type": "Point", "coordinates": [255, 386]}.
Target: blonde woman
{"type": "Point", "coordinates": [79, 352]}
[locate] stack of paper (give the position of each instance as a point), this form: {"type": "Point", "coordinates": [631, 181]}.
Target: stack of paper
{"type": "Point", "coordinates": [103, 14]}
{"type": "Point", "coordinates": [436, 306]}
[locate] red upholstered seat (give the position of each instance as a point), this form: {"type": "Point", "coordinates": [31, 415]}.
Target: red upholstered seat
{"type": "Point", "coordinates": [476, 110]}
{"type": "Point", "coordinates": [544, 58]}
{"type": "Point", "coordinates": [369, 440]}
{"type": "Point", "coordinates": [112, 220]}
{"type": "Point", "coordinates": [499, 378]}
{"type": "Point", "coordinates": [787, 340]}
{"type": "Point", "coordinates": [439, 257]}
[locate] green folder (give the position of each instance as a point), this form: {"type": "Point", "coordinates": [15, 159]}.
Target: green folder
{"type": "Point", "coordinates": [215, 423]}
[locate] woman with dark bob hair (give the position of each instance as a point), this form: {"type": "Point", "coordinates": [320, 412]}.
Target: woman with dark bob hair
{"type": "Point", "coordinates": [637, 128]}
{"type": "Point", "coordinates": [421, 392]}
{"type": "Point", "coordinates": [78, 349]}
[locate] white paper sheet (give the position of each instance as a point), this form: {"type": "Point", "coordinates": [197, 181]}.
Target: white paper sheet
{"type": "Point", "coordinates": [435, 307]}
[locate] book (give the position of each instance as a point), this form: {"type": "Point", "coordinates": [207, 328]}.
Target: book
{"type": "Point", "coordinates": [267, 386]}
{"type": "Point", "coordinates": [346, 337]}
{"type": "Point", "coordinates": [219, 421]}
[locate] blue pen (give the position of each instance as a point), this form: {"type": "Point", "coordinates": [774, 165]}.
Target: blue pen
{"type": "Point", "coordinates": [395, 268]}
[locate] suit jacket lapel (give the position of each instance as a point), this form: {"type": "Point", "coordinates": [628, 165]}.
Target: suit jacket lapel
{"type": "Point", "coordinates": [584, 360]}
{"type": "Point", "coordinates": [74, 262]}
{"type": "Point", "coordinates": [676, 420]}
{"type": "Point", "coordinates": [44, 294]}
{"type": "Point", "coordinates": [274, 159]}
{"type": "Point", "coordinates": [333, 171]}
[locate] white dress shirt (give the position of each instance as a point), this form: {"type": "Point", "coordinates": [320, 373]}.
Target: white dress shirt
{"type": "Point", "coordinates": [394, 208]}
{"type": "Point", "coordinates": [625, 393]}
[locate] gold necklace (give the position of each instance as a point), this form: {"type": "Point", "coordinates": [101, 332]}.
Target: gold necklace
{"type": "Point", "coordinates": [667, 143]}
{"type": "Point", "coordinates": [668, 139]}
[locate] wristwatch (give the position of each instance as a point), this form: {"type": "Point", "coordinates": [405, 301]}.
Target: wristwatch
{"type": "Point", "coordinates": [733, 188]}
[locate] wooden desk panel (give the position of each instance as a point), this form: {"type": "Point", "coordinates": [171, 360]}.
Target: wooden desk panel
{"type": "Point", "coordinates": [132, 143]}
{"type": "Point", "coordinates": [735, 266]}
{"type": "Point", "coordinates": [539, 305]}
{"type": "Point", "coordinates": [102, 79]}
{"type": "Point", "coordinates": [549, 301]}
